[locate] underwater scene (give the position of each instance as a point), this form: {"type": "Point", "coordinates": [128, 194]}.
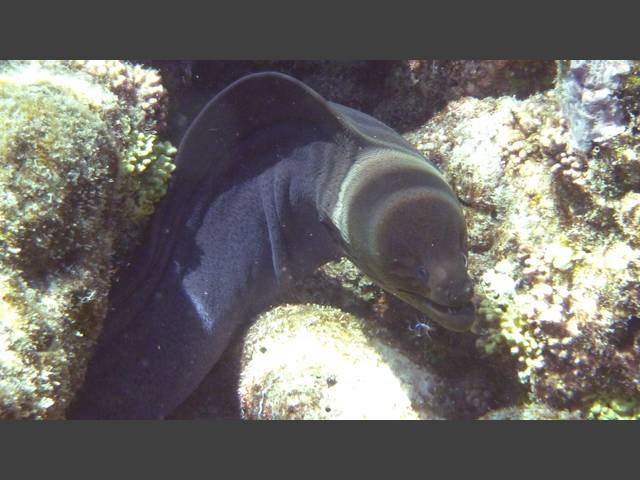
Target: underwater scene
{"type": "Point", "coordinates": [271, 240]}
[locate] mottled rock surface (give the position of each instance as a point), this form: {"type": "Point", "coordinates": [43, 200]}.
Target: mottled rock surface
{"type": "Point", "coordinates": [71, 193]}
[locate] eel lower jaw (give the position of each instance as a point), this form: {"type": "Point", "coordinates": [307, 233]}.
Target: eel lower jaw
{"type": "Point", "coordinates": [456, 318]}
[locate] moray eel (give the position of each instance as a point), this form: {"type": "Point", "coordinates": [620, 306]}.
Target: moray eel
{"type": "Point", "coordinates": [271, 182]}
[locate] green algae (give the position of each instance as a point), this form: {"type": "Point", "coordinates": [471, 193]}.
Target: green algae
{"type": "Point", "coordinates": [53, 203]}
{"type": "Point", "coordinates": [614, 409]}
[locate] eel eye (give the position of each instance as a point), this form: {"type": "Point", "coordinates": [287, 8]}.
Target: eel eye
{"type": "Point", "coordinates": [423, 275]}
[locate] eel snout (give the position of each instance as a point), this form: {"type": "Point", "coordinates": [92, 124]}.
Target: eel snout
{"type": "Point", "coordinates": [458, 316]}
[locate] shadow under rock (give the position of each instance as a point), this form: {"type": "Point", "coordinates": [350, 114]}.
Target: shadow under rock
{"type": "Point", "coordinates": [217, 396]}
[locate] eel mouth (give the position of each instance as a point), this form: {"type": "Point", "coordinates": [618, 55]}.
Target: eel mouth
{"type": "Point", "coordinates": [458, 318]}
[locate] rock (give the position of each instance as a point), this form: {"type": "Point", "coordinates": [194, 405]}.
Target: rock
{"type": "Point", "coordinates": [73, 190]}
{"type": "Point", "coordinates": [313, 362]}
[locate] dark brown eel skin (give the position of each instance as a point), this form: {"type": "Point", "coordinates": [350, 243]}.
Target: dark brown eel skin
{"type": "Point", "coordinates": [271, 182]}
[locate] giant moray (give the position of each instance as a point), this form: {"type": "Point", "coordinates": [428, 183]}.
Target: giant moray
{"type": "Point", "coordinates": [271, 182]}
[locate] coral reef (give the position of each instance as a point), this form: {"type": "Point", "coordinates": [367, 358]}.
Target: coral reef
{"type": "Point", "coordinates": [554, 240]}
{"type": "Point", "coordinates": [550, 178]}
{"type": "Point", "coordinates": [68, 132]}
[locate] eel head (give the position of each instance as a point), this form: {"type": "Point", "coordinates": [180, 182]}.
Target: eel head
{"type": "Point", "coordinates": [417, 250]}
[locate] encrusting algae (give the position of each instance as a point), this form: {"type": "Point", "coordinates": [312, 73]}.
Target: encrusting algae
{"type": "Point", "coordinates": [69, 132]}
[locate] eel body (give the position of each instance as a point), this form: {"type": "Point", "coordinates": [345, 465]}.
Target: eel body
{"type": "Point", "coordinates": [271, 181]}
